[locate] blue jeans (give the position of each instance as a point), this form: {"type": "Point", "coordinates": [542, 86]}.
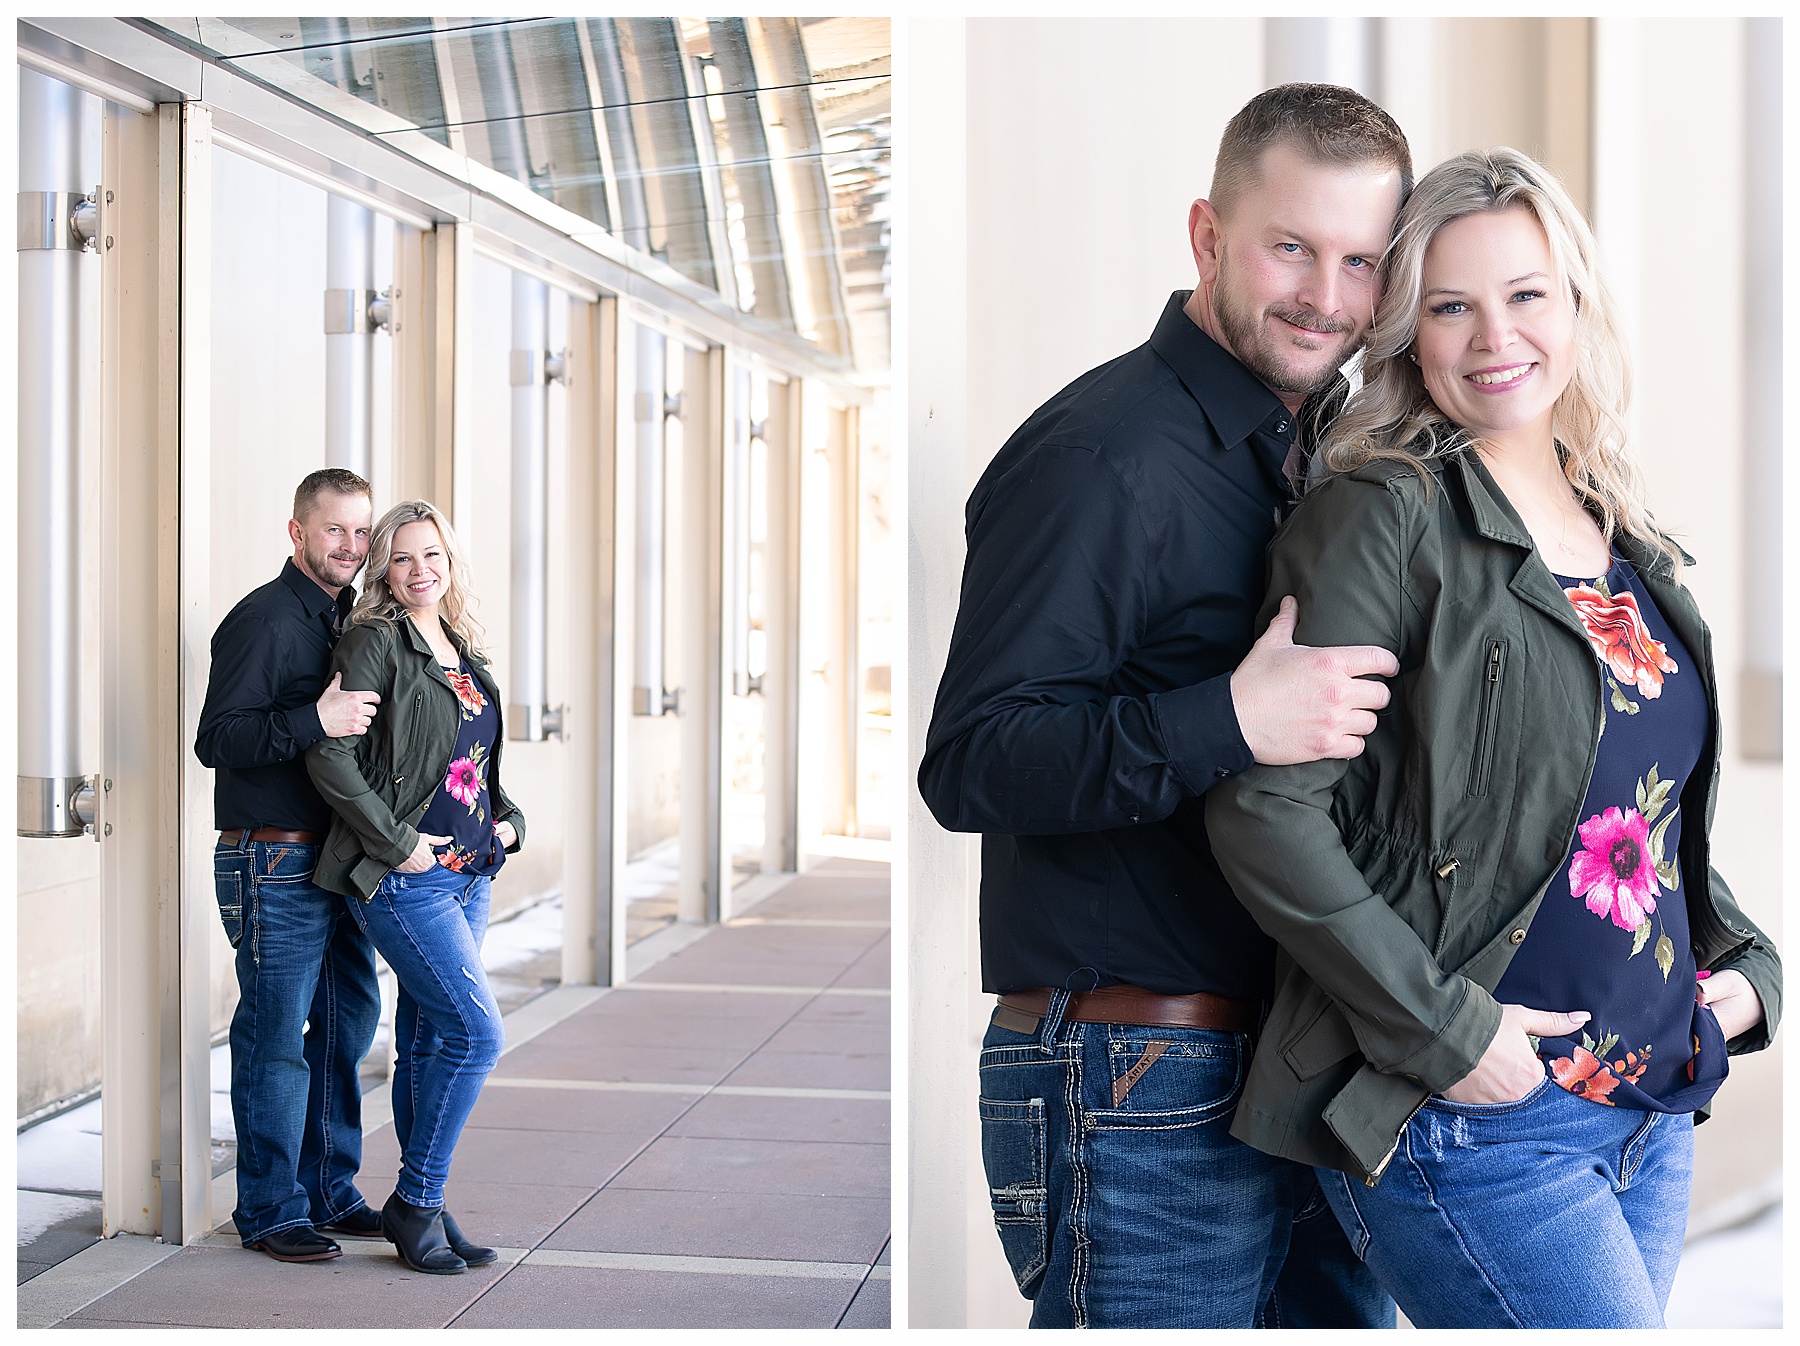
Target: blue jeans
{"type": "Point", "coordinates": [447, 1030]}
{"type": "Point", "coordinates": [308, 1004]}
{"type": "Point", "coordinates": [1122, 1200]}
{"type": "Point", "coordinates": [1552, 1211]}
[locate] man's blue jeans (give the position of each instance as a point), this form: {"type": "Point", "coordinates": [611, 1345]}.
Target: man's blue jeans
{"type": "Point", "coordinates": [447, 1029]}
{"type": "Point", "coordinates": [1552, 1211]}
{"type": "Point", "coordinates": [308, 1004]}
{"type": "Point", "coordinates": [1122, 1200]}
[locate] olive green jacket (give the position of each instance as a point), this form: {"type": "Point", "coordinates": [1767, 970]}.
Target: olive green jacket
{"type": "Point", "coordinates": [379, 784]}
{"type": "Point", "coordinates": [1398, 884]}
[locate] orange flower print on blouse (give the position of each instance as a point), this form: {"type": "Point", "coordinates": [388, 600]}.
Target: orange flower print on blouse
{"type": "Point", "coordinates": [1585, 1074]}
{"type": "Point", "coordinates": [1619, 636]}
{"type": "Point", "coordinates": [466, 692]}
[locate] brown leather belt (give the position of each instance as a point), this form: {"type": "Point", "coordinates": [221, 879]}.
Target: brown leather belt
{"type": "Point", "coordinates": [271, 834]}
{"type": "Point", "coordinates": [1021, 1010]}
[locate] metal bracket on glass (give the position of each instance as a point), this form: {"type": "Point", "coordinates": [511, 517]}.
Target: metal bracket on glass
{"type": "Point", "coordinates": [746, 684]}
{"type": "Point", "coordinates": [359, 312]}
{"type": "Point", "coordinates": [536, 723]}
{"type": "Point", "coordinates": [51, 221]}
{"type": "Point", "coordinates": [647, 701]}
{"type": "Point", "coordinates": [60, 806]}
{"type": "Point", "coordinates": [675, 405]}
{"type": "Point", "coordinates": [527, 369]}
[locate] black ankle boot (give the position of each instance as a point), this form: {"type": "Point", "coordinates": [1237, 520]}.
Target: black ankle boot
{"type": "Point", "coordinates": [472, 1253]}
{"type": "Point", "coordinates": [418, 1232]}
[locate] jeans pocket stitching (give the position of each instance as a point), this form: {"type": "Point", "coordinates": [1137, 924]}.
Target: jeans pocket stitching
{"type": "Point", "coordinates": [1472, 1110]}
{"type": "Point", "coordinates": [1020, 1207]}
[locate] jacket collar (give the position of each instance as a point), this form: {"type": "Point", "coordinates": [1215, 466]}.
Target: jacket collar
{"type": "Point", "coordinates": [1496, 519]}
{"type": "Point", "coordinates": [415, 641]}
{"type": "Point", "coordinates": [1234, 401]}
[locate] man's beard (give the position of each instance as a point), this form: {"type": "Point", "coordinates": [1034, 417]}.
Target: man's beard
{"type": "Point", "coordinates": [323, 564]}
{"type": "Point", "coordinates": [1259, 352]}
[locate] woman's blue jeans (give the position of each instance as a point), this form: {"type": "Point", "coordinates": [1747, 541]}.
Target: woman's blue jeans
{"type": "Point", "coordinates": [447, 1029]}
{"type": "Point", "coordinates": [1551, 1211]}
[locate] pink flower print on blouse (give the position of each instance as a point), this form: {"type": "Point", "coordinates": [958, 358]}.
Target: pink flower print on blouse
{"type": "Point", "coordinates": [1614, 871]}
{"type": "Point", "coordinates": [463, 780]}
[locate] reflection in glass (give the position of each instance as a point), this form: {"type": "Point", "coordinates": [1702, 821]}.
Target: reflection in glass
{"type": "Point", "coordinates": [751, 155]}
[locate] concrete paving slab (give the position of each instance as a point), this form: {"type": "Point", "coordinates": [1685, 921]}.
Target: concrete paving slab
{"type": "Point", "coordinates": [727, 1224]}
{"type": "Point", "coordinates": [621, 1061]}
{"type": "Point", "coordinates": [719, 1031]}
{"type": "Point", "coordinates": [612, 1112]}
{"type": "Point", "coordinates": [838, 1009]}
{"type": "Point", "coordinates": [845, 1039]}
{"type": "Point", "coordinates": [89, 1275]}
{"type": "Point", "coordinates": [870, 1308]}
{"type": "Point", "coordinates": [593, 1297]}
{"type": "Point", "coordinates": [705, 1164]}
{"type": "Point", "coordinates": [635, 1004]}
{"type": "Point", "coordinates": [344, 1292]}
{"type": "Point", "coordinates": [818, 1070]}
{"type": "Point", "coordinates": [851, 1121]}
{"type": "Point", "coordinates": [873, 968]}
{"type": "Point", "coordinates": [563, 1158]}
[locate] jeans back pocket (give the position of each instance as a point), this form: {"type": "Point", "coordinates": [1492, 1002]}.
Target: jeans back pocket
{"type": "Point", "coordinates": [228, 887]}
{"type": "Point", "coordinates": [1012, 1152]}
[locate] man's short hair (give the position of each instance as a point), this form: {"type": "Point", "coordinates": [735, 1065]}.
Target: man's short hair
{"type": "Point", "coordinates": [339, 480]}
{"type": "Point", "coordinates": [1325, 123]}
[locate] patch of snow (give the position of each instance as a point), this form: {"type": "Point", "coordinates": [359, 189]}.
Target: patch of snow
{"type": "Point", "coordinates": [39, 1211]}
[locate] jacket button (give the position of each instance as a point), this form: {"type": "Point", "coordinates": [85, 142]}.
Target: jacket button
{"type": "Point", "coordinates": [1517, 937]}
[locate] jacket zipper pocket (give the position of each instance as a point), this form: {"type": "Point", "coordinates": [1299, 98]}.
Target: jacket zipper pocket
{"type": "Point", "coordinates": [1487, 729]}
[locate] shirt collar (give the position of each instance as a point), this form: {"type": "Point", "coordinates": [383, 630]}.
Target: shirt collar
{"type": "Point", "coordinates": [1236, 403]}
{"type": "Point", "coordinates": [313, 598]}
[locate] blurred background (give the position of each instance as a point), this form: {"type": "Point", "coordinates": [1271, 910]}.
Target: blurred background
{"type": "Point", "coordinates": [1050, 169]}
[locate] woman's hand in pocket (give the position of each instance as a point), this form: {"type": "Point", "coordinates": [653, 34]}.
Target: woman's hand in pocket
{"type": "Point", "coordinates": [505, 835]}
{"type": "Point", "coordinates": [1509, 1068]}
{"type": "Point", "coordinates": [1733, 1001]}
{"type": "Point", "coordinates": [423, 857]}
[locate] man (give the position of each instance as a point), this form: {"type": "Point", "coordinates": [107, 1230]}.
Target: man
{"type": "Point", "coordinates": [302, 963]}
{"type": "Point", "coordinates": [1101, 676]}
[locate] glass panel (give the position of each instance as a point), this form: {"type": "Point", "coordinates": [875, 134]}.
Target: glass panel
{"type": "Point", "coordinates": [750, 154]}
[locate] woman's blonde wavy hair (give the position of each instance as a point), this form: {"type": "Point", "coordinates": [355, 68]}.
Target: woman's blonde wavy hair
{"type": "Point", "coordinates": [1393, 417]}
{"type": "Point", "coordinates": [377, 602]}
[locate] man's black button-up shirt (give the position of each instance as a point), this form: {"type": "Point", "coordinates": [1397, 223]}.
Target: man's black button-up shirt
{"type": "Point", "coordinates": [269, 661]}
{"type": "Point", "coordinates": [1115, 566]}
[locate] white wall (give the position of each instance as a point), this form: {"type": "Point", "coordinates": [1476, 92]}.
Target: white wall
{"type": "Point", "coordinates": [1052, 165]}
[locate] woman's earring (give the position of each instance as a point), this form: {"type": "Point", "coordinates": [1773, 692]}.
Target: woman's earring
{"type": "Point", "coordinates": [1413, 356]}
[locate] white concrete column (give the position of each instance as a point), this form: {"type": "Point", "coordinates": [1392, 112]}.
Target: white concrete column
{"type": "Point", "coordinates": [700, 590]}
{"type": "Point", "coordinates": [592, 729]}
{"type": "Point", "coordinates": [933, 1261]}
{"type": "Point", "coordinates": [142, 756]}
{"type": "Point", "coordinates": [1764, 310]}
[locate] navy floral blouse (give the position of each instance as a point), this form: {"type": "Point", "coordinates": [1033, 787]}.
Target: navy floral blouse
{"type": "Point", "coordinates": [460, 808]}
{"type": "Point", "coordinates": [1611, 935]}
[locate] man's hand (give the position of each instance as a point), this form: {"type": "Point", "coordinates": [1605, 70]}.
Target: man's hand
{"type": "Point", "coordinates": [422, 857]}
{"type": "Point", "coordinates": [1733, 1001]}
{"type": "Point", "coordinates": [345, 714]}
{"type": "Point", "coordinates": [1510, 1067]}
{"type": "Point", "coordinates": [1295, 703]}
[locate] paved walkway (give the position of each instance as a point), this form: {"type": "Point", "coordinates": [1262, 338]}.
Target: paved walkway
{"type": "Point", "coordinates": [706, 1146]}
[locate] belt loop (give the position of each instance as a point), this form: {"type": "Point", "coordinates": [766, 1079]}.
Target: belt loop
{"type": "Point", "coordinates": [1053, 1017]}
{"type": "Point", "coordinates": [243, 842]}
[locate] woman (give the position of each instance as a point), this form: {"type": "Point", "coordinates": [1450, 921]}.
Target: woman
{"type": "Point", "coordinates": [421, 826]}
{"type": "Point", "coordinates": [1494, 921]}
